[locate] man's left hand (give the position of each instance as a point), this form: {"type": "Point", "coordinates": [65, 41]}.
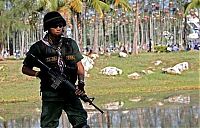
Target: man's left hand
{"type": "Point", "coordinates": [80, 89]}
{"type": "Point", "coordinates": [79, 92]}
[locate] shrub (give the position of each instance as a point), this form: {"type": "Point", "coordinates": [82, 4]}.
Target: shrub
{"type": "Point", "coordinates": [160, 48]}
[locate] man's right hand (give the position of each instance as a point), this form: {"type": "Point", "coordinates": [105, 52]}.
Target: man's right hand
{"type": "Point", "coordinates": [38, 74]}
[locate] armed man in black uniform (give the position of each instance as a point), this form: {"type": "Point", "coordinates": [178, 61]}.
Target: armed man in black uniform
{"type": "Point", "coordinates": [62, 55]}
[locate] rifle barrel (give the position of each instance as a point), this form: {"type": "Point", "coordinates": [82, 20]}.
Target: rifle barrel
{"type": "Point", "coordinates": [96, 107]}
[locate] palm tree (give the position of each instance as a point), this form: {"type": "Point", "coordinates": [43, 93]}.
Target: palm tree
{"type": "Point", "coordinates": [13, 20]}
{"type": "Point", "coordinates": [102, 7]}
{"type": "Point", "coordinates": [76, 7]}
{"type": "Point", "coordinates": [187, 8]}
{"type": "Point", "coordinates": [3, 21]}
{"type": "Point", "coordinates": [193, 4]}
{"type": "Point", "coordinates": [136, 28]}
{"type": "Point", "coordinates": [98, 6]}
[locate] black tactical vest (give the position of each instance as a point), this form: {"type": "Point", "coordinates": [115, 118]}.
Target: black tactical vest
{"type": "Point", "coordinates": [49, 56]}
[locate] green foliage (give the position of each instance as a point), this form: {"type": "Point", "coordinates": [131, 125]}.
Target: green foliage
{"type": "Point", "coordinates": [191, 5]}
{"type": "Point", "coordinates": [47, 5]}
{"type": "Point", "coordinates": [160, 48]}
{"type": "Point", "coordinates": [124, 4]}
{"type": "Point", "coordinates": [99, 6]}
{"type": "Point", "coordinates": [15, 16]}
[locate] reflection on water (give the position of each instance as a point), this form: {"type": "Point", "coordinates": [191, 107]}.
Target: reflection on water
{"type": "Point", "coordinates": [187, 117]}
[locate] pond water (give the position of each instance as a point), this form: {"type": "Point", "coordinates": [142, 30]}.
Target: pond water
{"type": "Point", "coordinates": [177, 117]}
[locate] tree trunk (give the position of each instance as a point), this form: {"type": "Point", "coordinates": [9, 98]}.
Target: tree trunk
{"type": "Point", "coordinates": [95, 39]}
{"type": "Point", "coordinates": [22, 46]}
{"type": "Point", "coordinates": [84, 27]}
{"type": "Point", "coordinates": [142, 36]}
{"type": "Point", "coordinates": [185, 32]}
{"type": "Point", "coordinates": [135, 36]}
{"type": "Point", "coordinates": [75, 30]}
{"type": "Point", "coordinates": [8, 39]}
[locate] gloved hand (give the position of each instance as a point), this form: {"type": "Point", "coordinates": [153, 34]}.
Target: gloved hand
{"type": "Point", "coordinates": [80, 89]}
{"type": "Point", "coordinates": [81, 85]}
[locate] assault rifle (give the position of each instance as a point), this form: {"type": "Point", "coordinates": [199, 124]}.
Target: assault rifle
{"type": "Point", "coordinates": [59, 79]}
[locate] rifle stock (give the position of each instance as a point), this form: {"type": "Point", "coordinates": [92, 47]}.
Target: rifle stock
{"type": "Point", "coordinates": [61, 78]}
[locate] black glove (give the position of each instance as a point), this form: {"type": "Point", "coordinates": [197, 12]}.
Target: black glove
{"type": "Point", "coordinates": [81, 85]}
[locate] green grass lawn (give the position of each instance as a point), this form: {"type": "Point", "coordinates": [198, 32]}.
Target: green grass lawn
{"type": "Point", "coordinates": [19, 94]}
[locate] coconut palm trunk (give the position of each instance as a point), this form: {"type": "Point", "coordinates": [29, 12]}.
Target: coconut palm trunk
{"type": "Point", "coordinates": [95, 39]}
{"type": "Point", "coordinates": [135, 36]}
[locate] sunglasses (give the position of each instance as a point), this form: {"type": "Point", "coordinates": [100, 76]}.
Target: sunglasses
{"type": "Point", "coordinates": [56, 25]}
